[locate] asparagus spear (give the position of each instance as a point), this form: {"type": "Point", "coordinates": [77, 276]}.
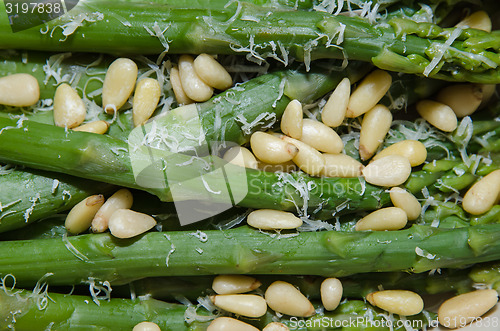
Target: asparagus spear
{"type": "Point", "coordinates": [243, 250]}
{"type": "Point", "coordinates": [24, 310]}
{"type": "Point", "coordinates": [38, 311]}
{"type": "Point", "coordinates": [405, 46]}
{"type": "Point", "coordinates": [29, 195]}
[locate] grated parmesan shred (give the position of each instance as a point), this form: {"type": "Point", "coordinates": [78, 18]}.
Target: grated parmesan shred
{"type": "Point", "coordinates": [442, 48]}
{"type": "Point", "coordinates": [96, 289]}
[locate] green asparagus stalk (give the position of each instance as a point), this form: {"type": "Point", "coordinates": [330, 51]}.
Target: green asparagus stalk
{"type": "Point", "coordinates": [39, 311]}
{"type": "Point", "coordinates": [405, 46]}
{"type": "Point", "coordinates": [243, 250]}
{"type": "Point", "coordinates": [29, 195]}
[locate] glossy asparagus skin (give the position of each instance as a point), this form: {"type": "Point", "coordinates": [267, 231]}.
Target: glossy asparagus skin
{"type": "Point", "coordinates": [245, 251]}
{"type": "Point", "coordinates": [404, 46]}
{"type": "Point", "coordinates": [29, 195]}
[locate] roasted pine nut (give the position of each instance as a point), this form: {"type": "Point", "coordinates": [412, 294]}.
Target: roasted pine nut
{"type": "Point", "coordinates": [413, 150]}
{"type": "Point", "coordinates": [465, 308]}
{"type": "Point", "coordinates": [19, 90]}
{"type": "Point", "coordinates": [119, 84]}
{"type": "Point", "coordinates": [334, 111]}
{"type": "Point", "coordinates": [376, 123]}
{"type": "Point", "coordinates": [175, 81]}
{"type": "Point", "coordinates": [69, 109]}
{"type": "Point", "coordinates": [276, 326]}
{"type": "Point", "coordinates": [269, 219]}
{"type": "Point", "coordinates": [212, 72]}
{"type": "Point", "coordinates": [271, 149]}
{"type": "Point", "coordinates": [230, 324]}
{"type": "Point", "coordinates": [483, 194]}
{"type": "Point", "coordinates": [308, 159]}
{"type": "Point", "coordinates": [341, 165]}
{"type": "Point", "coordinates": [99, 127]}
{"type": "Point", "coordinates": [249, 305]}
{"type": "Point", "coordinates": [464, 99]}
{"type": "Point", "coordinates": [392, 170]}
{"type": "Point", "coordinates": [284, 298]}
{"type": "Point", "coordinates": [291, 121]}
{"type": "Point", "coordinates": [126, 223]}
{"type": "Point", "coordinates": [146, 326]}
{"type": "Point", "coordinates": [121, 199]}
{"type": "Point", "coordinates": [403, 199]}
{"type": "Point", "coordinates": [242, 157]}
{"type": "Point", "coordinates": [438, 114]}
{"type": "Point", "coordinates": [81, 215]}
{"type": "Point", "coordinates": [321, 137]}
{"type": "Point", "coordinates": [234, 284]}
{"type": "Point", "coordinates": [193, 86]}
{"type": "Point", "coordinates": [331, 293]}
{"type": "Point", "coordinates": [478, 20]}
{"type": "Point", "coordinates": [146, 98]}
{"type": "Point", "coordinates": [405, 303]}
{"type": "Point", "coordinates": [385, 219]}
{"type": "Point", "coordinates": [368, 93]}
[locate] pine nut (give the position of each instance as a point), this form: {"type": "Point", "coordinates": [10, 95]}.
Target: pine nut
{"type": "Point", "coordinates": [392, 170]}
{"type": "Point", "coordinates": [385, 219]}
{"type": "Point", "coordinates": [234, 284]}
{"type": "Point", "coordinates": [284, 298]}
{"type": "Point", "coordinates": [119, 84]}
{"type": "Point", "coordinates": [464, 99]}
{"type": "Point", "coordinates": [19, 90]}
{"type": "Point", "coordinates": [99, 127]}
{"type": "Point", "coordinates": [341, 165]}
{"type": "Point", "coordinates": [121, 199]}
{"type": "Point", "coordinates": [69, 109]}
{"type": "Point", "coordinates": [479, 20]}
{"type": "Point", "coordinates": [483, 194]}
{"type": "Point", "coordinates": [126, 223]}
{"type": "Point", "coordinates": [321, 137]}
{"type": "Point", "coordinates": [241, 156]}
{"type": "Point", "coordinates": [291, 121]}
{"type": "Point", "coordinates": [193, 86]}
{"type": "Point", "coordinates": [146, 98]}
{"type": "Point", "coordinates": [81, 215]}
{"type": "Point", "coordinates": [308, 159]}
{"type": "Point", "coordinates": [331, 293]}
{"type": "Point", "coordinates": [280, 167]}
{"type": "Point", "coordinates": [175, 81]}
{"type": "Point", "coordinates": [271, 149]}
{"type": "Point", "coordinates": [211, 72]}
{"type": "Point", "coordinates": [229, 324]}
{"type": "Point", "coordinates": [276, 326]}
{"type": "Point", "coordinates": [438, 114]}
{"type": "Point", "coordinates": [249, 305]}
{"type": "Point", "coordinates": [376, 123]}
{"type": "Point", "coordinates": [405, 303]}
{"type": "Point", "coordinates": [334, 111]}
{"type": "Point", "coordinates": [146, 326]}
{"type": "Point", "coordinates": [413, 150]}
{"type": "Point", "coordinates": [269, 219]}
{"type": "Point", "coordinates": [403, 199]}
{"type": "Point", "coordinates": [465, 308]}
{"type": "Point", "coordinates": [368, 93]}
